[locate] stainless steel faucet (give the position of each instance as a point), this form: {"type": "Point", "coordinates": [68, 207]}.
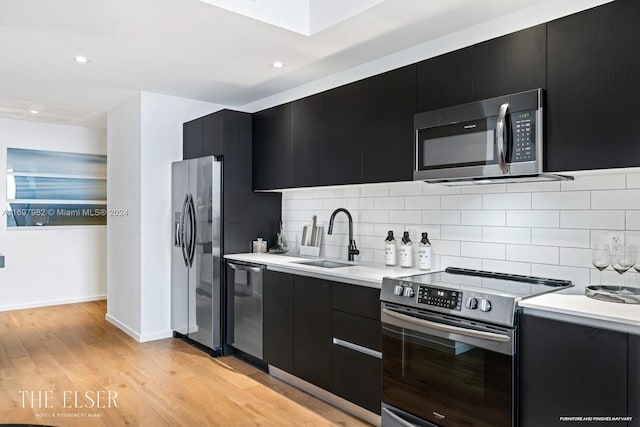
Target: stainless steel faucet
{"type": "Point", "coordinates": [353, 250]}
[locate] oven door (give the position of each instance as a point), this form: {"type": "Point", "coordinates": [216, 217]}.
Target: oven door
{"type": "Point", "coordinates": [439, 371]}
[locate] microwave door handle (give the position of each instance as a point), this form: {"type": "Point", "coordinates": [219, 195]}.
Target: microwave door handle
{"type": "Point", "coordinates": [501, 129]}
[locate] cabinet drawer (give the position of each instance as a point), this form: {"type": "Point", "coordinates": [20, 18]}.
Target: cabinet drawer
{"type": "Point", "coordinates": [356, 299]}
{"type": "Point", "coordinates": [358, 330]}
{"type": "Point", "coordinates": [357, 377]}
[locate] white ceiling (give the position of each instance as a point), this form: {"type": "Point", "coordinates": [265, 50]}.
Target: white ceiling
{"type": "Point", "coordinates": [192, 49]}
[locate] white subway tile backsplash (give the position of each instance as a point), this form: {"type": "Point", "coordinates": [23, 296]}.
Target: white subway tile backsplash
{"type": "Point", "coordinates": [465, 233]}
{"type": "Point", "coordinates": [441, 217]}
{"type": "Point", "coordinates": [422, 202]}
{"type": "Point", "coordinates": [506, 201]}
{"type": "Point", "coordinates": [406, 189]}
{"type": "Point", "coordinates": [483, 250]}
{"type": "Point", "coordinates": [511, 267]}
{"type": "Point", "coordinates": [515, 235]}
{"type": "Point", "coordinates": [533, 218]}
{"type": "Point", "coordinates": [488, 188]}
{"type": "Point", "coordinates": [537, 254]}
{"type": "Point", "coordinates": [595, 182]}
{"type": "Point", "coordinates": [615, 199]}
{"type": "Point", "coordinates": [405, 217]}
{"type": "Point", "coordinates": [530, 187]}
{"type": "Point", "coordinates": [445, 247]}
{"type": "Point", "coordinates": [387, 203]}
{"type": "Point", "coordinates": [464, 201]}
{"type": "Point", "coordinates": [543, 229]}
{"type": "Point", "coordinates": [633, 220]}
{"type": "Point", "coordinates": [560, 237]}
{"type": "Point", "coordinates": [374, 190]}
{"type": "Point", "coordinates": [451, 261]}
{"type": "Point", "coordinates": [561, 200]}
{"type": "Point", "coordinates": [483, 217]}
{"type": "Point", "coordinates": [613, 220]}
{"type": "Point", "coordinates": [374, 216]}
{"type": "Point", "coordinates": [575, 257]}
{"type": "Point", "coordinates": [633, 180]}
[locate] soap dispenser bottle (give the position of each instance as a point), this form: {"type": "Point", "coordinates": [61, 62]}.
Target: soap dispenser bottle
{"type": "Point", "coordinates": [390, 250]}
{"type": "Point", "coordinates": [424, 253]}
{"type": "Point", "coordinates": [406, 251]}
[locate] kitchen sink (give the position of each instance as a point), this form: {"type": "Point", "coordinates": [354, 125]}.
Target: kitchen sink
{"type": "Point", "coordinates": [324, 263]}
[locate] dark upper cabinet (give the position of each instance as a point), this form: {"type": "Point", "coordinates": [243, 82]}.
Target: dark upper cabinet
{"type": "Point", "coordinates": [278, 306]}
{"type": "Point", "coordinates": [512, 63]}
{"type": "Point", "coordinates": [312, 331]}
{"type": "Point", "coordinates": [445, 80]}
{"type": "Point", "coordinates": [592, 88]}
{"type": "Point", "coordinates": [307, 130]}
{"type": "Point", "coordinates": [567, 369]}
{"type": "Point", "coordinates": [192, 139]}
{"type": "Point", "coordinates": [213, 128]}
{"type": "Point", "coordinates": [341, 154]}
{"type": "Point", "coordinates": [389, 103]}
{"type": "Point", "coordinates": [272, 148]}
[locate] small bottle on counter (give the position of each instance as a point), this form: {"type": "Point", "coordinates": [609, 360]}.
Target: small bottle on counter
{"type": "Point", "coordinates": [424, 253]}
{"type": "Point", "coordinates": [390, 254]}
{"type": "Point", "coordinates": [406, 251]}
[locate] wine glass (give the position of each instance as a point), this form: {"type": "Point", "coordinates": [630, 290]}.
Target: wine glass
{"type": "Point", "coordinates": [600, 258]}
{"type": "Point", "coordinates": [624, 257]}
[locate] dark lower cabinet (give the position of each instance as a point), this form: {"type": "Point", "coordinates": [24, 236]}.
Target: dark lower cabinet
{"type": "Point", "coordinates": [277, 319]}
{"type": "Point", "coordinates": [570, 370]}
{"type": "Point", "coordinates": [592, 88]}
{"type": "Point", "coordinates": [312, 331]}
{"type": "Point", "coordinates": [633, 400]}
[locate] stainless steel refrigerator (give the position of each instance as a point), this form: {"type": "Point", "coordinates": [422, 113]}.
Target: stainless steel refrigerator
{"type": "Point", "coordinates": [196, 282]}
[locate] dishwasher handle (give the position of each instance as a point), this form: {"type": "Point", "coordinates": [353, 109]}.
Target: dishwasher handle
{"type": "Point", "coordinates": [242, 267]}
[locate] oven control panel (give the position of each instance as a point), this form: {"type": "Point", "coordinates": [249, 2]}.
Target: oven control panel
{"type": "Point", "coordinates": [437, 297]}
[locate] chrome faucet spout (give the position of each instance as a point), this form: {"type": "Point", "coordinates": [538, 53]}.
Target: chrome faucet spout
{"type": "Point", "coordinates": [353, 249]}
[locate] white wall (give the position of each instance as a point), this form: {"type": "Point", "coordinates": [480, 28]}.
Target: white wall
{"type": "Point", "coordinates": [145, 136]}
{"type": "Point", "coordinates": [48, 266]}
{"type": "Point", "coordinates": [542, 229]}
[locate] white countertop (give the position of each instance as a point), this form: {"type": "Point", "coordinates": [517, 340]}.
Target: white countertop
{"type": "Point", "coordinates": [357, 274]}
{"type": "Point", "coordinates": [586, 311]}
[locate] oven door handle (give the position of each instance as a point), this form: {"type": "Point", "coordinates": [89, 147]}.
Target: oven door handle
{"type": "Point", "coordinates": [490, 336]}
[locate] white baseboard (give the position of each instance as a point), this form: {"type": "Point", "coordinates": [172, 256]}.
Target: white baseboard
{"type": "Point", "coordinates": [48, 303]}
{"type": "Point", "coordinates": [159, 335]}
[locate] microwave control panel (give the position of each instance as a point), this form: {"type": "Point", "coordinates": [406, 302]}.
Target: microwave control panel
{"type": "Point", "coordinates": [444, 298]}
{"type": "Point", "coordinates": [523, 131]}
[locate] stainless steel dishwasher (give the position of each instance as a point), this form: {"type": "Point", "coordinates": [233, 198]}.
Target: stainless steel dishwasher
{"type": "Point", "coordinates": [244, 307]}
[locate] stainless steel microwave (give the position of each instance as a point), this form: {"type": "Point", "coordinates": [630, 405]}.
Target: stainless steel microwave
{"type": "Point", "coordinates": [497, 139]}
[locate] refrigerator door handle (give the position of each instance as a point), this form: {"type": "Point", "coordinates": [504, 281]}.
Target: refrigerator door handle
{"type": "Point", "coordinates": [182, 231]}
{"type": "Point", "coordinates": [192, 242]}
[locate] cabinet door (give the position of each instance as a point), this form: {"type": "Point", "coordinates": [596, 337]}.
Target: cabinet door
{"type": "Point", "coordinates": [341, 158]}
{"type": "Point", "coordinates": [510, 64]}
{"type": "Point", "coordinates": [389, 103]}
{"type": "Point", "coordinates": [312, 331]}
{"type": "Point", "coordinates": [192, 139]}
{"type": "Point", "coordinates": [308, 141]}
{"type": "Point", "coordinates": [445, 80]}
{"type": "Point", "coordinates": [213, 136]}
{"type": "Point", "coordinates": [272, 159]}
{"type": "Point", "coordinates": [278, 305]}
{"type": "Point", "coordinates": [634, 380]}
{"type": "Point", "coordinates": [592, 88]}
{"type": "Point", "coordinates": [568, 370]}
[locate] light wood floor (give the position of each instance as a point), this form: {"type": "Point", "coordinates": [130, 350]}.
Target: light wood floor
{"type": "Point", "coordinates": [161, 383]}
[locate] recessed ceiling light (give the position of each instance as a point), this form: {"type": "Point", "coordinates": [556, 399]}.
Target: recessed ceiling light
{"type": "Point", "coordinates": [34, 111]}
{"type": "Point", "coordinates": [81, 59]}
{"type": "Point", "coordinates": [277, 64]}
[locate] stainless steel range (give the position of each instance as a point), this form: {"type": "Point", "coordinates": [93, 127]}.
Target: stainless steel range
{"type": "Point", "coordinates": [449, 346]}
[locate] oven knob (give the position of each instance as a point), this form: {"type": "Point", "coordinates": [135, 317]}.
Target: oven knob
{"type": "Point", "coordinates": [408, 292]}
{"type": "Point", "coordinates": [485, 305]}
{"type": "Point", "coordinates": [472, 303]}
{"type": "Point", "coordinates": [398, 290]}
